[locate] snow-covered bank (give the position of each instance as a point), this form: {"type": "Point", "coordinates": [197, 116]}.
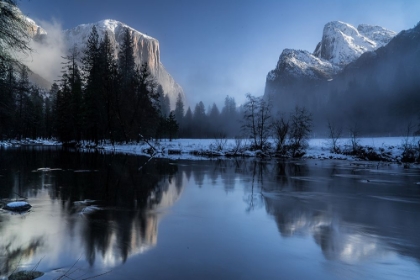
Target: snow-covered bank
{"type": "Point", "coordinates": [391, 148]}
{"type": "Point", "coordinates": [28, 142]}
{"type": "Point", "coordinates": [387, 148]}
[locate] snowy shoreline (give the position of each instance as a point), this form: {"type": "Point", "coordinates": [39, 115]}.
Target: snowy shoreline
{"type": "Point", "coordinates": [388, 149]}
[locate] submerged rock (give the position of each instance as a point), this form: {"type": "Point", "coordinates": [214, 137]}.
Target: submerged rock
{"type": "Point", "coordinates": [24, 275]}
{"type": "Point", "coordinates": [17, 206]}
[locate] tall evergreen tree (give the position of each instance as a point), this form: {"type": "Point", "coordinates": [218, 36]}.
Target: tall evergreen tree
{"type": "Point", "coordinates": [179, 109]}
{"type": "Point", "coordinates": [109, 89]}
{"type": "Point", "coordinates": [149, 102]}
{"type": "Point", "coordinates": [7, 101]}
{"type": "Point", "coordinates": [93, 117]}
{"type": "Point", "coordinates": [163, 102]}
{"type": "Point", "coordinates": [186, 130]}
{"type": "Point", "coordinates": [200, 125]}
{"type": "Point", "coordinates": [126, 63]}
{"type": "Point", "coordinates": [70, 100]}
{"type": "Point", "coordinates": [126, 98]}
{"type": "Point", "coordinates": [215, 125]}
{"type": "Point", "coordinates": [22, 93]}
{"type": "Point", "coordinates": [172, 125]}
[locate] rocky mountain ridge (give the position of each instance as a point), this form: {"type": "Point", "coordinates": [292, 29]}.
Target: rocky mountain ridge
{"type": "Point", "coordinates": [341, 44]}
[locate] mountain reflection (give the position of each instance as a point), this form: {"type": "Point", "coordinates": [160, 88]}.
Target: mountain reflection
{"type": "Point", "coordinates": [127, 204]}
{"type": "Point", "coordinates": [353, 212]}
{"type": "Point", "coordinates": [347, 218]}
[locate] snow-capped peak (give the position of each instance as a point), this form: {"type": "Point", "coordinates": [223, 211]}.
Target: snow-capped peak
{"type": "Point", "coordinates": [299, 62]}
{"type": "Point", "coordinates": [342, 43]}
{"type": "Point", "coordinates": [109, 25]}
{"type": "Point", "coordinates": [378, 34]}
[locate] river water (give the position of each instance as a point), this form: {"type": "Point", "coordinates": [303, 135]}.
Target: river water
{"type": "Point", "coordinates": [113, 216]}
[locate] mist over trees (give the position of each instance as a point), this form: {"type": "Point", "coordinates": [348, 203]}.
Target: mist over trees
{"type": "Point", "coordinates": [212, 122]}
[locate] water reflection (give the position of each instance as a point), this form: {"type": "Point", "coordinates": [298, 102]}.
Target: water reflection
{"type": "Point", "coordinates": [128, 206]}
{"type": "Point", "coordinates": [353, 211]}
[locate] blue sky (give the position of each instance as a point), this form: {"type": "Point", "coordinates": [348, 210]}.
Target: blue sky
{"type": "Point", "coordinates": [215, 48]}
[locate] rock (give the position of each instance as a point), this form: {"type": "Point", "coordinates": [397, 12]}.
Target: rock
{"type": "Point", "coordinates": [25, 275]}
{"type": "Point", "coordinates": [17, 206]}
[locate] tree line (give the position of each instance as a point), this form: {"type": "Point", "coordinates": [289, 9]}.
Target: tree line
{"type": "Point", "coordinates": [97, 97]}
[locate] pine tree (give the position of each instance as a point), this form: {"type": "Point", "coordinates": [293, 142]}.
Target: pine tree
{"type": "Point", "coordinates": [172, 125]}
{"type": "Point", "coordinates": [145, 115]}
{"type": "Point", "coordinates": [215, 126]}
{"type": "Point", "coordinates": [53, 95]}
{"type": "Point", "coordinates": [126, 63]}
{"type": "Point", "coordinates": [22, 92]}
{"type": "Point", "coordinates": [7, 102]}
{"type": "Point", "coordinates": [109, 89]}
{"type": "Point", "coordinates": [179, 109]}
{"type": "Point", "coordinates": [93, 101]}
{"type": "Point", "coordinates": [200, 125]}
{"type": "Point", "coordinates": [186, 130]}
{"type": "Point", "coordinates": [126, 98]}
{"type": "Point", "coordinates": [164, 102]}
{"type": "Point", "coordinates": [70, 100]}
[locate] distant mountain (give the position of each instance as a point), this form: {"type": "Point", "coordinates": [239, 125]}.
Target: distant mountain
{"type": "Point", "coordinates": [146, 48]}
{"type": "Point", "coordinates": [366, 76]}
{"type": "Point", "coordinates": [341, 44]}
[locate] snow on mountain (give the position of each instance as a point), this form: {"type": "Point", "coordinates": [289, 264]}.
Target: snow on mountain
{"type": "Point", "coordinates": [342, 43]}
{"type": "Point", "coordinates": [380, 35]}
{"type": "Point", "coordinates": [299, 63]}
{"type": "Point", "coordinates": [146, 49]}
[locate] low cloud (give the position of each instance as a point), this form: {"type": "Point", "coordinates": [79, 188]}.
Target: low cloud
{"type": "Point", "coordinates": [46, 58]}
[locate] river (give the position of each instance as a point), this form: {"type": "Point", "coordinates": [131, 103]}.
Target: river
{"type": "Point", "coordinates": [118, 216]}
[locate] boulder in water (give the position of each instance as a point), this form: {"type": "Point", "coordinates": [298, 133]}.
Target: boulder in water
{"type": "Point", "coordinates": [18, 206]}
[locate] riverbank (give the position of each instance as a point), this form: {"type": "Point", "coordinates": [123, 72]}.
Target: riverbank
{"type": "Point", "coordinates": [388, 149]}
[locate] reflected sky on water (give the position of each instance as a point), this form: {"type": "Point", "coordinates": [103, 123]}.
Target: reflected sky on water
{"type": "Point", "coordinates": [220, 219]}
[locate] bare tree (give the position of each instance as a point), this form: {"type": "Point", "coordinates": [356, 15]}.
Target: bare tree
{"type": "Point", "coordinates": [411, 148]}
{"type": "Point", "coordinates": [334, 135]}
{"type": "Point", "coordinates": [220, 140]}
{"type": "Point", "coordinates": [354, 137]}
{"type": "Point", "coordinates": [237, 146]}
{"type": "Point", "coordinates": [300, 129]}
{"type": "Point", "coordinates": [281, 129]}
{"type": "Point", "coordinates": [257, 120]}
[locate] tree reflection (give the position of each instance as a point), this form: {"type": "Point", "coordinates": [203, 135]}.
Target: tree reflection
{"type": "Point", "coordinates": [12, 256]}
{"type": "Point", "coordinates": [127, 223]}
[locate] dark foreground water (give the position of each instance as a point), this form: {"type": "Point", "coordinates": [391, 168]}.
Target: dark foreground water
{"type": "Point", "coordinates": [235, 219]}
